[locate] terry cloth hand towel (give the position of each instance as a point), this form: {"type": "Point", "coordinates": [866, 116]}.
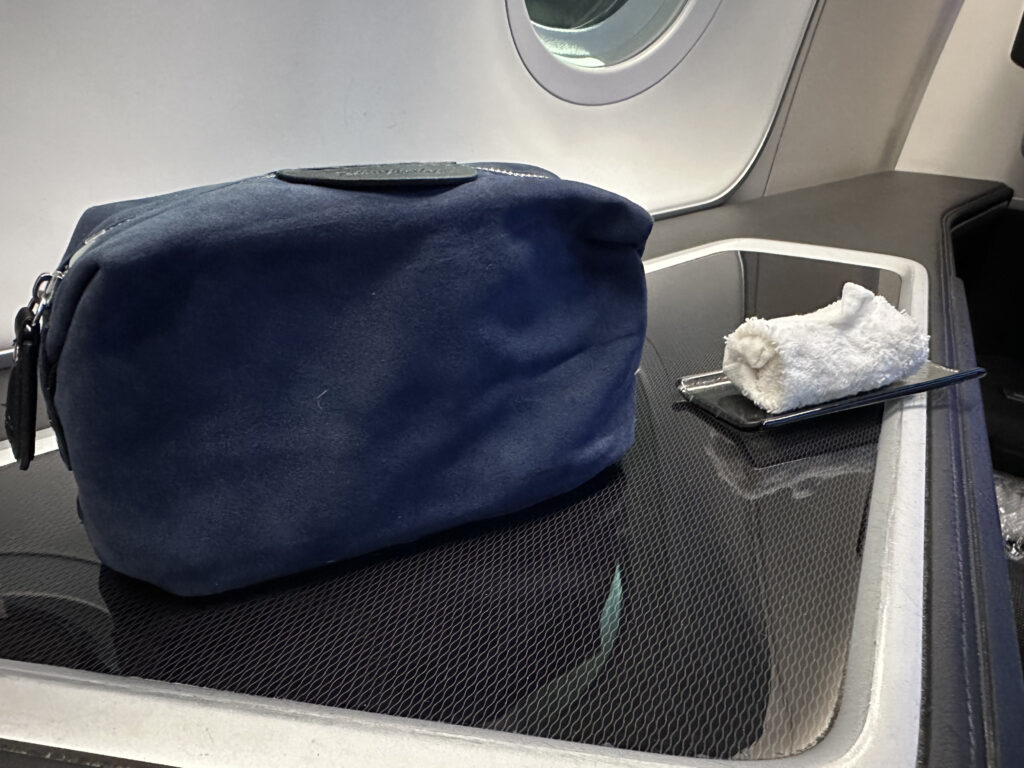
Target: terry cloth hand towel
{"type": "Point", "coordinates": [858, 343]}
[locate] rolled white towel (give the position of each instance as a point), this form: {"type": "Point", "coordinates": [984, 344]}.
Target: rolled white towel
{"type": "Point", "coordinates": [858, 343]}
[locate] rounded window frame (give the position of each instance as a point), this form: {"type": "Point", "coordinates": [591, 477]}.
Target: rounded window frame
{"type": "Point", "coordinates": [593, 86]}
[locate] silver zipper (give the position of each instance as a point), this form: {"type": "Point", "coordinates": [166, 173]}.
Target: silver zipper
{"type": "Point", "coordinates": [42, 294]}
{"type": "Point", "coordinates": [86, 245]}
{"type": "Point", "coordinates": [46, 283]}
{"type": "Point", "coordinates": [506, 172]}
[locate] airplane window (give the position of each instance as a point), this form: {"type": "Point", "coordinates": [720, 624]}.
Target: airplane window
{"type": "Point", "coordinates": [597, 33]}
{"type": "Point", "coordinates": [603, 51]}
{"type": "Point", "coordinates": [571, 14]}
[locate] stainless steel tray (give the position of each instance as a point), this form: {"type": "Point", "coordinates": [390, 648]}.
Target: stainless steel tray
{"type": "Point", "coordinates": [714, 393]}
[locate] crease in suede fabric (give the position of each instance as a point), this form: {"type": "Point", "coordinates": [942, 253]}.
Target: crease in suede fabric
{"type": "Point", "coordinates": [280, 376]}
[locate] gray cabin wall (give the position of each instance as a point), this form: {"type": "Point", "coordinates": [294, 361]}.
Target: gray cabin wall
{"type": "Point", "coordinates": [971, 118]}
{"type": "Point", "coordinates": [861, 75]}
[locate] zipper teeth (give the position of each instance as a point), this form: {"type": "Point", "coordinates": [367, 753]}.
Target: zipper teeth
{"type": "Point", "coordinates": [512, 173]}
{"type": "Point", "coordinates": [90, 241]}
{"type": "Point", "coordinates": [93, 238]}
{"type": "Point", "coordinates": [85, 246]}
{"type": "Point", "coordinates": [62, 269]}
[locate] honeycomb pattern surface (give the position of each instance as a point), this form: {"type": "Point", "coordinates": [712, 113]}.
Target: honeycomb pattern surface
{"type": "Point", "coordinates": [695, 599]}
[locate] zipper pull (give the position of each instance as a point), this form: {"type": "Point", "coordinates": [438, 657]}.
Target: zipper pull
{"type": "Point", "coordinates": [23, 385]}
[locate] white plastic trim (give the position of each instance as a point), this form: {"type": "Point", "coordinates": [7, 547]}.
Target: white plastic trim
{"type": "Point", "coordinates": [46, 441]}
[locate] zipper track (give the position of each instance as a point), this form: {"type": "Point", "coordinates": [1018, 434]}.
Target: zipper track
{"type": "Point", "coordinates": [505, 172]}
{"type": "Point", "coordinates": [89, 242]}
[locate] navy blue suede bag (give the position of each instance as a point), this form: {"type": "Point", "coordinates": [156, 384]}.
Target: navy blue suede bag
{"type": "Point", "coordinates": [257, 378]}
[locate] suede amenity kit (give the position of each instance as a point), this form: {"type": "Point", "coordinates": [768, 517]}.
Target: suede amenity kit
{"type": "Point", "coordinates": [257, 378]}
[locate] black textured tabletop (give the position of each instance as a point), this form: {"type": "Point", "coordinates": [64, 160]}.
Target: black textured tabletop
{"type": "Point", "coordinates": [695, 599]}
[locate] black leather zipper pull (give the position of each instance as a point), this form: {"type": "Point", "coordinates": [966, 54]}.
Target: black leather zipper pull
{"type": "Point", "coordinates": [22, 388]}
{"type": "Point", "coordinates": [23, 384]}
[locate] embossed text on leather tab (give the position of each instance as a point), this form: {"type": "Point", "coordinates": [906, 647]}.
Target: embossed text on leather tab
{"type": "Point", "coordinates": [382, 175]}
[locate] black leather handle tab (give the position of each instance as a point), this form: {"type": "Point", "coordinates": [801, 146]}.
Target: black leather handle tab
{"type": "Point", "coordinates": [387, 175]}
